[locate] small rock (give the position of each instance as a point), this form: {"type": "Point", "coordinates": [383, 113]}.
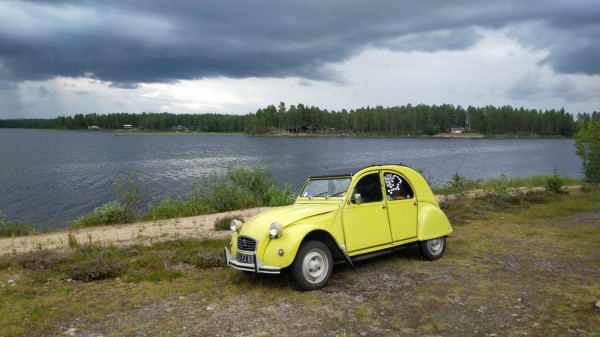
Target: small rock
{"type": "Point", "coordinates": [181, 298]}
{"type": "Point", "coordinates": [598, 305]}
{"type": "Point", "coordinates": [363, 334]}
{"type": "Point", "coordinates": [209, 308]}
{"type": "Point", "coordinates": [11, 282]}
{"type": "Point", "coordinates": [519, 299]}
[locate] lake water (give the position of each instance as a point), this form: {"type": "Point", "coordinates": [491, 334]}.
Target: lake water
{"type": "Point", "coordinates": [50, 178]}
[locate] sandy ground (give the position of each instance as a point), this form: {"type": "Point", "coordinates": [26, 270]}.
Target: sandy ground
{"type": "Point", "coordinates": [201, 227]}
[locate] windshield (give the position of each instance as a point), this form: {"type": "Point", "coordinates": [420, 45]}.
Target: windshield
{"type": "Point", "coordinates": [328, 187]}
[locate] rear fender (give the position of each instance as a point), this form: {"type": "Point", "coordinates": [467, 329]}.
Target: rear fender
{"type": "Point", "coordinates": [433, 223]}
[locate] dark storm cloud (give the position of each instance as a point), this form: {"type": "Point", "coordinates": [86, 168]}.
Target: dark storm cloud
{"type": "Point", "coordinates": [129, 42]}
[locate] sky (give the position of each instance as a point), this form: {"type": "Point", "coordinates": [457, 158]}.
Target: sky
{"type": "Point", "coordinates": [60, 58]}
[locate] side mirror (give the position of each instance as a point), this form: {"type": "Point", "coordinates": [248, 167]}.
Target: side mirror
{"type": "Point", "coordinates": [356, 199]}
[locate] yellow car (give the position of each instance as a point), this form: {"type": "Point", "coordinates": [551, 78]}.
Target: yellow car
{"type": "Point", "coordinates": [341, 216]}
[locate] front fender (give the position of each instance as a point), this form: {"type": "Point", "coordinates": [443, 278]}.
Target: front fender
{"type": "Point", "coordinates": [433, 223]}
{"type": "Point", "coordinates": [289, 242]}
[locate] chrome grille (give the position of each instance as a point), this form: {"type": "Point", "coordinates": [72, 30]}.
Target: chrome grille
{"type": "Point", "coordinates": [246, 244]}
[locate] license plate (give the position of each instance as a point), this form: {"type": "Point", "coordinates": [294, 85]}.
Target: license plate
{"type": "Point", "coordinates": [244, 258]}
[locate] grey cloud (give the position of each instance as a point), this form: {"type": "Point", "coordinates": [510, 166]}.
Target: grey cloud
{"type": "Point", "coordinates": [455, 39]}
{"type": "Point", "coordinates": [530, 87]}
{"type": "Point", "coordinates": [527, 87]}
{"type": "Point", "coordinates": [128, 42]}
{"type": "Point", "coordinates": [124, 85]}
{"type": "Point", "coordinates": [581, 56]}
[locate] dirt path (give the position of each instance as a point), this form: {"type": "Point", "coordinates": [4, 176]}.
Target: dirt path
{"type": "Point", "coordinates": [144, 232]}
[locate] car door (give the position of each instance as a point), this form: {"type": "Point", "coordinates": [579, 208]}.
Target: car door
{"type": "Point", "coordinates": [366, 225]}
{"type": "Point", "coordinates": [401, 207]}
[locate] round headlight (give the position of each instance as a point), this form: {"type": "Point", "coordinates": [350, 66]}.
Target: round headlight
{"type": "Point", "coordinates": [235, 225]}
{"type": "Point", "coordinates": [275, 230]}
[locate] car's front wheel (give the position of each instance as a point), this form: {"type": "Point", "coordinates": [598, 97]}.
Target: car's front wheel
{"type": "Point", "coordinates": [313, 265]}
{"type": "Point", "coordinates": [433, 249]}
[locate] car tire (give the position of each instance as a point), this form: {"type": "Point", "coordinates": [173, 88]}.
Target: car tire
{"type": "Point", "coordinates": [433, 249]}
{"type": "Point", "coordinates": [313, 266]}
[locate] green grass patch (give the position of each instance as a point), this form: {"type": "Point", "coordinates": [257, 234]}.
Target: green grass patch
{"type": "Point", "coordinates": [239, 188]}
{"type": "Point", "coordinates": [14, 228]}
{"type": "Point", "coordinates": [460, 184]}
{"type": "Point", "coordinates": [108, 214]}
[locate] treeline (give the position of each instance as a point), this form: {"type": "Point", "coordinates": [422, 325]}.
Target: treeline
{"type": "Point", "coordinates": [399, 120]}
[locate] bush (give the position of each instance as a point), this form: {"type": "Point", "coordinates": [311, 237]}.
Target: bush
{"type": "Point", "coordinates": [130, 194]}
{"type": "Point", "coordinates": [108, 214]}
{"type": "Point", "coordinates": [99, 268]}
{"type": "Point", "coordinates": [40, 259]}
{"type": "Point", "coordinates": [555, 184]}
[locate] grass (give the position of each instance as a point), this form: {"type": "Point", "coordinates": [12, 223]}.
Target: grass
{"type": "Point", "coordinates": [239, 188]}
{"type": "Point", "coordinates": [14, 228]}
{"type": "Point", "coordinates": [460, 184]}
{"type": "Point", "coordinates": [526, 268]}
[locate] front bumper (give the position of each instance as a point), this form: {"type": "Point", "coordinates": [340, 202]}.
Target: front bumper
{"type": "Point", "coordinates": [255, 267]}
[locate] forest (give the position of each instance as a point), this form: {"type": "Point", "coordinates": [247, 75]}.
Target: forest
{"type": "Point", "coordinates": [406, 120]}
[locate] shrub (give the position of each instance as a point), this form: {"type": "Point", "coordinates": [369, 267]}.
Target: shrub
{"type": "Point", "coordinates": [131, 195]}
{"type": "Point", "coordinates": [40, 259]}
{"type": "Point", "coordinates": [555, 184]}
{"type": "Point", "coordinates": [108, 214]}
{"type": "Point", "coordinates": [98, 268]}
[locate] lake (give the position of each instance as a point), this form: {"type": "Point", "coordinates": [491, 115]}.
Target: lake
{"type": "Point", "coordinates": [50, 178]}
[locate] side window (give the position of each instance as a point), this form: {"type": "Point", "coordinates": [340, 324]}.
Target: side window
{"type": "Point", "coordinates": [369, 188]}
{"type": "Point", "coordinates": [396, 187]}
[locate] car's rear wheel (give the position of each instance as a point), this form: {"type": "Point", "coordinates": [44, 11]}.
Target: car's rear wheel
{"type": "Point", "coordinates": [313, 265]}
{"type": "Point", "coordinates": [433, 249]}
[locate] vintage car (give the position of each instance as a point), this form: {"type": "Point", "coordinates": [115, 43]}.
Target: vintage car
{"type": "Point", "coordinates": [341, 216]}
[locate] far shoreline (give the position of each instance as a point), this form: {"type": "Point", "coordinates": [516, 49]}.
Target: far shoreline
{"type": "Point", "coordinates": [285, 134]}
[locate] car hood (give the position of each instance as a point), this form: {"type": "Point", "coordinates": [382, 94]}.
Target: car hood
{"type": "Point", "coordinates": [287, 215]}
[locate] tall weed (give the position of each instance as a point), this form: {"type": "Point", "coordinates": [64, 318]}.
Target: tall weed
{"type": "Point", "coordinates": [130, 194]}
